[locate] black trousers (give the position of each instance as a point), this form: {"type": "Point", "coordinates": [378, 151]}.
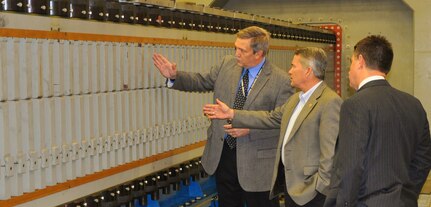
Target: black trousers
{"type": "Point", "coordinates": [317, 201]}
{"type": "Point", "coordinates": [229, 190]}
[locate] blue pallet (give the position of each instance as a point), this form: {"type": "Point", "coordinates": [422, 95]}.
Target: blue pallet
{"type": "Point", "coordinates": [195, 190]}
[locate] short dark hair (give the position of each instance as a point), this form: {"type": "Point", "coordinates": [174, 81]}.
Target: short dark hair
{"type": "Point", "coordinates": [259, 38]}
{"type": "Point", "coordinates": [315, 58]}
{"type": "Point", "coordinates": [377, 52]}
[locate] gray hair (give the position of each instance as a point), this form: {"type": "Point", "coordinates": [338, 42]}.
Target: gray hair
{"type": "Point", "coordinates": [259, 38]}
{"type": "Point", "coordinates": [315, 58]}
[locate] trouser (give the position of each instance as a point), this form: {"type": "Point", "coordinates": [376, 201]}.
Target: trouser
{"type": "Point", "coordinates": [230, 193]}
{"type": "Point", "coordinates": [317, 201]}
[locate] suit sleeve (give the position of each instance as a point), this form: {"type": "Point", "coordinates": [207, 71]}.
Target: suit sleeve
{"type": "Point", "coordinates": [258, 119]}
{"type": "Point", "coordinates": [328, 133]}
{"type": "Point", "coordinates": [421, 163]}
{"type": "Point", "coordinates": [353, 137]}
{"type": "Point", "coordinates": [199, 82]}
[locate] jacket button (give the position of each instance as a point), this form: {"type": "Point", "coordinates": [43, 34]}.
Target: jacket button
{"type": "Point", "coordinates": [221, 139]}
{"type": "Point", "coordinates": [346, 203]}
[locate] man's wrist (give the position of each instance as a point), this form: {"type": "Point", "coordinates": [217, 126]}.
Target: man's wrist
{"type": "Point", "coordinates": [232, 114]}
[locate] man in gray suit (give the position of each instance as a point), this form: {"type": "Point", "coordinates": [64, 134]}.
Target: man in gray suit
{"type": "Point", "coordinates": [384, 152]}
{"type": "Point", "coordinates": [242, 170]}
{"type": "Point", "coordinates": [309, 129]}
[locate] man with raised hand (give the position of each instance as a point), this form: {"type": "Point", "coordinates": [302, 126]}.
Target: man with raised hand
{"type": "Point", "coordinates": [242, 159]}
{"type": "Point", "coordinates": [309, 129]}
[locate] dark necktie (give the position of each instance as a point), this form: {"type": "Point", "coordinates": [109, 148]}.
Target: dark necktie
{"type": "Point", "coordinates": [240, 99]}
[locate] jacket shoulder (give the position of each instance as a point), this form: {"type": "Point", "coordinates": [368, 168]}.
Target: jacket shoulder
{"type": "Point", "coordinates": [278, 72]}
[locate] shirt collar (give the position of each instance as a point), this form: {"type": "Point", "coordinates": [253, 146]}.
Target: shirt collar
{"type": "Point", "coordinates": [253, 71]}
{"type": "Point", "coordinates": [305, 96]}
{"type": "Point", "coordinates": [369, 79]}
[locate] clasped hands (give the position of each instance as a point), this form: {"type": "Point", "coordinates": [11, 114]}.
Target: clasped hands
{"type": "Point", "coordinates": [221, 111]}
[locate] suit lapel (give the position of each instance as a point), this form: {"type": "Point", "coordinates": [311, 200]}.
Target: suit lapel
{"type": "Point", "coordinates": [234, 77]}
{"type": "Point", "coordinates": [258, 85]}
{"type": "Point", "coordinates": [287, 113]}
{"type": "Point", "coordinates": [308, 107]}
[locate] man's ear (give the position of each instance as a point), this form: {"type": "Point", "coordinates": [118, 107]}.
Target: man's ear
{"type": "Point", "coordinates": [361, 61]}
{"type": "Point", "coordinates": [309, 71]}
{"type": "Point", "coordinates": [259, 53]}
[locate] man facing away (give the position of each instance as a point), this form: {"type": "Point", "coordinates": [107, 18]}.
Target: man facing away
{"type": "Point", "coordinates": [384, 152]}
{"type": "Point", "coordinates": [309, 129]}
{"type": "Point", "coordinates": [242, 159]}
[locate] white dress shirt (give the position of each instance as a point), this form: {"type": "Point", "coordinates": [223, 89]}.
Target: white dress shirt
{"type": "Point", "coordinates": [369, 79]}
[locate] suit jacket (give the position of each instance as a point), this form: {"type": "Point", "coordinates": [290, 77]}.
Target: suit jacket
{"type": "Point", "coordinates": [384, 150]}
{"type": "Point", "coordinates": [310, 147]}
{"type": "Point", "coordinates": [256, 151]}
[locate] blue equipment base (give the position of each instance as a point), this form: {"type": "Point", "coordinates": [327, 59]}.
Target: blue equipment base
{"type": "Point", "coordinates": [190, 194]}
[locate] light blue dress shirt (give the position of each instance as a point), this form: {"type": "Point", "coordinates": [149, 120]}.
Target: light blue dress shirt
{"type": "Point", "coordinates": [252, 74]}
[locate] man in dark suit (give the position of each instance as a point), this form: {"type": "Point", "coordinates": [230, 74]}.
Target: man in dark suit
{"type": "Point", "coordinates": [242, 167]}
{"type": "Point", "coordinates": [308, 124]}
{"type": "Point", "coordinates": [383, 153]}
